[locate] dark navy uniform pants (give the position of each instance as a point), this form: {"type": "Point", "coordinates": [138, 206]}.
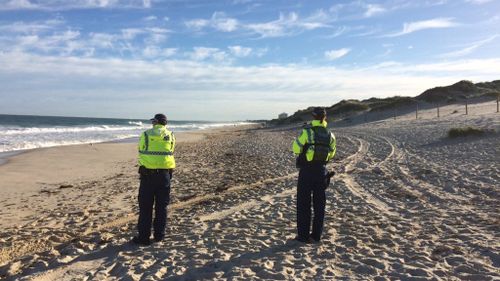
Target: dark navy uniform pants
{"type": "Point", "coordinates": [154, 190]}
{"type": "Point", "coordinates": [312, 181]}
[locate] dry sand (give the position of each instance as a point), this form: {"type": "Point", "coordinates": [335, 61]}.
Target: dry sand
{"type": "Point", "coordinates": [407, 204]}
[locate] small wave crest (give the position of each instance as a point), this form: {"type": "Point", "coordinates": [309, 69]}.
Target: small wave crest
{"type": "Point", "coordinates": [137, 123]}
{"type": "Point", "coordinates": [37, 130]}
{"type": "Point", "coordinates": [32, 144]}
{"type": "Point", "coordinates": [14, 138]}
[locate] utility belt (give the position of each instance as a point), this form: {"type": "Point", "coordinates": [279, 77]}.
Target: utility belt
{"type": "Point", "coordinates": [301, 162]}
{"type": "Point", "coordinates": [143, 171]}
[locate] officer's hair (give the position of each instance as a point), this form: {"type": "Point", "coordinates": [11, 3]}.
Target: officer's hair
{"type": "Point", "coordinates": [159, 122]}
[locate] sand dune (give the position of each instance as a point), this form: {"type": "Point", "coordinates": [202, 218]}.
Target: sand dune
{"type": "Point", "coordinates": [407, 204]}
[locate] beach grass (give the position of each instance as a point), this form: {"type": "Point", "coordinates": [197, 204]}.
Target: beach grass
{"type": "Point", "coordinates": [465, 132]}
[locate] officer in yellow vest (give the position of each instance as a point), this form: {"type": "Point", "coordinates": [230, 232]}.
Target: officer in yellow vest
{"type": "Point", "coordinates": [156, 162]}
{"type": "Point", "coordinates": [315, 146]}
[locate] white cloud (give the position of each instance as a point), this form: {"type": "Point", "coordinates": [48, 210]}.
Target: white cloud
{"type": "Point", "coordinates": [337, 32]}
{"type": "Point", "coordinates": [156, 35]}
{"type": "Point", "coordinates": [479, 2]}
{"type": "Point", "coordinates": [204, 53]}
{"type": "Point", "coordinates": [261, 52]}
{"type": "Point", "coordinates": [426, 24]}
{"type": "Point", "coordinates": [373, 9]}
{"type": "Point", "coordinates": [150, 18]}
{"type": "Point", "coordinates": [53, 37]}
{"type": "Point", "coordinates": [240, 51]}
{"type": "Point", "coordinates": [157, 30]}
{"type": "Point", "coordinates": [150, 51]}
{"type": "Point", "coordinates": [168, 52]}
{"type": "Point", "coordinates": [219, 21]}
{"type": "Point", "coordinates": [28, 40]}
{"type": "Point", "coordinates": [335, 54]}
{"type": "Point", "coordinates": [31, 27]}
{"type": "Point", "coordinates": [469, 49]}
{"type": "Point", "coordinates": [273, 29]}
{"type": "Point", "coordinates": [286, 24]}
{"type": "Point", "coordinates": [222, 23]}
{"type": "Point", "coordinates": [356, 10]}
{"type": "Point", "coordinates": [61, 42]}
{"type": "Point", "coordinates": [197, 24]}
{"type": "Point", "coordinates": [365, 31]}
{"type": "Point", "coordinates": [102, 40]}
{"type": "Point", "coordinates": [158, 53]}
{"type": "Point", "coordinates": [258, 88]}
{"type": "Point", "coordinates": [17, 4]}
{"type": "Point", "coordinates": [236, 2]}
{"type": "Point", "coordinates": [57, 5]}
{"type": "Point", "coordinates": [289, 24]}
{"type": "Point", "coordinates": [131, 33]}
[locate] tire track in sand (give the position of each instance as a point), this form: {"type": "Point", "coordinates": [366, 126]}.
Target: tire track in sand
{"type": "Point", "coordinates": [35, 246]}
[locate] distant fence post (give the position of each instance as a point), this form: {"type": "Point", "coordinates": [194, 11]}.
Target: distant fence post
{"type": "Point", "coordinates": [394, 113]}
{"type": "Point", "coordinates": [466, 107]}
{"type": "Point", "coordinates": [438, 109]}
{"type": "Point", "coordinates": [498, 96]}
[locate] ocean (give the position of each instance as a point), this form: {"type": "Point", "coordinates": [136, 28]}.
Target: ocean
{"type": "Point", "coordinates": [22, 132]}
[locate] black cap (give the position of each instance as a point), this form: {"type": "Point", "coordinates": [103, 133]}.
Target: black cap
{"type": "Point", "coordinates": [319, 112]}
{"type": "Point", "coordinates": [160, 118]}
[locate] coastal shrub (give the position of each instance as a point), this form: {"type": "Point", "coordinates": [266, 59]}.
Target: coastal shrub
{"type": "Point", "coordinates": [347, 106]}
{"type": "Point", "coordinates": [465, 132]}
{"type": "Point", "coordinates": [295, 118]}
{"type": "Point", "coordinates": [491, 86]}
{"type": "Point", "coordinates": [463, 88]}
{"type": "Point", "coordinates": [492, 95]}
{"type": "Point", "coordinates": [390, 103]}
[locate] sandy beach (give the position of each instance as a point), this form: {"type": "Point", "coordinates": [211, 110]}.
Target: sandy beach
{"type": "Point", "coordinates": [407, 203]}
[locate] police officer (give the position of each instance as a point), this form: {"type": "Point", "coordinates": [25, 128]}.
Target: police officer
{"type": "Point", "coordinates": [315, 146]}
{"type": "Point", "coordinates": [156, 162]}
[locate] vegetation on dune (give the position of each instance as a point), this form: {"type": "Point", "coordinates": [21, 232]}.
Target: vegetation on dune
{"type": "Point", "coordinates": [461, 90]}
{"type": "Point", "coordinates": [347, 109]}
{"type": "Point", "coordinates": [440, 94]}
{"type": "Point", "coordinates": [347, 106]}
{"type": "Point", "coordinates": [493, 85]}
{"type": "Point", "coordinates": [493, 94]}
{"type": "Point", "coordinates": [389, 103]}
{"type": "Point", "coordinates": [466, 131]}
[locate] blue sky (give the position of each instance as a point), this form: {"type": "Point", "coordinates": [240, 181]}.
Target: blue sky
{"type": "Point", "coordinates": [235, 59]}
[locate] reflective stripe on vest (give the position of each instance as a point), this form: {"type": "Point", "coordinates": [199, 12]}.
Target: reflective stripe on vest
{"type": "Point", "coordinates": [146, 141]}
{"type": "Point", "coordinates": [163, 153]}
{"type": "Point", "coordinates": [298, 143]}
{"type": "Point", "coordinates": [309, 135]}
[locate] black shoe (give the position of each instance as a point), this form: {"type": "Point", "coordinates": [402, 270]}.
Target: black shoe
{"type": "Point", "coordinates": [301, 239]}
{"type": "Point", "coordinates": [313, 238]}
{"type": "Point", "coordinates": [142, 242]}
{"type": "Point", "coordinates": [313, 241]}
{"type": "Point", "coordinates": [159, 239]}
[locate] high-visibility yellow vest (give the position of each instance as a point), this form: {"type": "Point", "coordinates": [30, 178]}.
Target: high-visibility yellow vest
{"type": "Point", "coordinates": [307, 140]}
{"type": "Point", "coordinates": [156, 148]}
